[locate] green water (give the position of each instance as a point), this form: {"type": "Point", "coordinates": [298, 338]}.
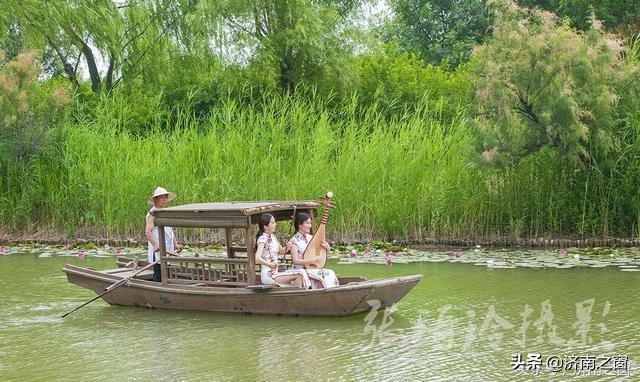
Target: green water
{"type": "Point", "coordinates": [442, 330]}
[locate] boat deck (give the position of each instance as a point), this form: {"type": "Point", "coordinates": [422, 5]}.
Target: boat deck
{"type": "Point", "coordinates": [127, 272]}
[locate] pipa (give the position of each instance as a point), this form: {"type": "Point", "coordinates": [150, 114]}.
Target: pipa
{"type": "Point", "coordinates": [314, 249]}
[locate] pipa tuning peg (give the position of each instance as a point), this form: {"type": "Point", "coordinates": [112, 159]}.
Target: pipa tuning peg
{"type": "Point", "coordinates": [328, 195]}
{"type": "Point", "coordinates": [328, 203]}
{"type": "Point", "coordinates": [327, 200]}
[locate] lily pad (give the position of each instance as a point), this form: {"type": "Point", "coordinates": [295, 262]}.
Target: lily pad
{"type": "Point", "coordinates": [564, 266]}
{"type": "Point", "coordinates": [501, 266]}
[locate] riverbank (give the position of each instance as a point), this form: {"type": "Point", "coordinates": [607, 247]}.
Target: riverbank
{"type": "Point", "coordinates": [89, 238]}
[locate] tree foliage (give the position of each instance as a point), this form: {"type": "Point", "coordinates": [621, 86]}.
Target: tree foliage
{"type": "Point", "coordinates": [28, 110]}
{"type": "Point", "coordinates": [290, 41]}
{"type": "Point", "coordinates": [398, 80]}
{"type": "Point", "coordinates": [542, 85]}
{"type": "Point", "coordinates": [200, 80]}
{"type": "Point", "coordinates": [617, 15]}
{"type": "Point", "coordinates": [112, 40]}
{"type": "Point", "coordinates": [439, 30]}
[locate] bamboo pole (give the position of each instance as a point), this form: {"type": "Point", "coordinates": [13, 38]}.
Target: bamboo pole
{"type": "Point", "coordinates": [110, 288]}
{"type": "Point", "coordinates": [163, 255]}
{"type": "Point", "coordinates": [251, 253]}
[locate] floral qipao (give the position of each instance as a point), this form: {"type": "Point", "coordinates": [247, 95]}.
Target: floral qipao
{"type": "Point", "coordinates": [319, 277]}
{"type": "Point", "coordinates": [270, 253]}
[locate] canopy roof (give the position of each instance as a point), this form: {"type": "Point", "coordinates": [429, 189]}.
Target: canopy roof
{"type": "Point", "coordinates": [227, 214]}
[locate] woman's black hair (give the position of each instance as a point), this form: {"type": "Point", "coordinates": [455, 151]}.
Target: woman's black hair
{"type": "Point", "coordinates": [300, 218]}
{"type": "Point", "coordinates": [263, 220]}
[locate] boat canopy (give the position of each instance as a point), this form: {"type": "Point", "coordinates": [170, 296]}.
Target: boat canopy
{"type": "Point", "coordinates": [228, 214]}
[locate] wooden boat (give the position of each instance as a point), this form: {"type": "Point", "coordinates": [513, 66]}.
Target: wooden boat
{"type": "Point", "coordinates": [232, 284]}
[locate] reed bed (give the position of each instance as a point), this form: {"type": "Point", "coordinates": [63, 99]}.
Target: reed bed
{"type": "Point", "coordinates": [407, 178]}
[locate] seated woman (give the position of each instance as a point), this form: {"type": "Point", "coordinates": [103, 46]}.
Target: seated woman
{"type": "Point", "coordinates": [320, 278]}
{"type": "Point", "coordinates": [267, 252]}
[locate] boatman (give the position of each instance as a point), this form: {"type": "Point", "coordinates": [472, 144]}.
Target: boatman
{"type": "Point", "coordinates": [159, 199]}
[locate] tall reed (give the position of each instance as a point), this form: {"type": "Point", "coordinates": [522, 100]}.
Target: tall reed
{"type": "Point", "coordinates": [408, 177]}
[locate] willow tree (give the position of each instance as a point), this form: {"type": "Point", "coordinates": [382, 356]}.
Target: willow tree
{"type": "Point", "coordinates": [111, 39]}
{"type": "Point", "coordinates": [540, 84]}
{"type": "Point", "coordinates": [295, 41]}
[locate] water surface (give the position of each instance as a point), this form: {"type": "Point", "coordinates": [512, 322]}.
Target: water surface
{"type": "Point", "coordinates": [461, 322]}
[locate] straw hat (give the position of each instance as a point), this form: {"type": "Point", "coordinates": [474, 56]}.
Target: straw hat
{"type": "Point", "coordinates": [159, 192]}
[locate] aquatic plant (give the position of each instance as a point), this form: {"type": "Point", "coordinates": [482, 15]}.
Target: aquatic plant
{"type": "Point", "coordinates": [402, 178]}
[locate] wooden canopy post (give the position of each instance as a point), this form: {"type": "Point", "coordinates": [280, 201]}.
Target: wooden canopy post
{"type": "Point", "coordinates": [163, 255]}
{"type": "Point", "coordinates": [229, 238]}
{"type": "Point", "coordinates": [251, 253]}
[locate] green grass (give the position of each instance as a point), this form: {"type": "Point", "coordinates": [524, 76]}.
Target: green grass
{"type": "Point", "coordinates": [405, 178]}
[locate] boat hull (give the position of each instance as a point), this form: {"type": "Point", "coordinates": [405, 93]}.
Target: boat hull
{"type": "Point", "coordinates": [339, 301]}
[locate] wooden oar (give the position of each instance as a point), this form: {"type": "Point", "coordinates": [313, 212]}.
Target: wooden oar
{"type": "Point", "coordinates": [129, 263]}
{"type": "Point", "coordinates": [111, 288]}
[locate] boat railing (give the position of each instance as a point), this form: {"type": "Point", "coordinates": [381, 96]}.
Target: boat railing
{"type": "Point", "coordinates": [197, 270]}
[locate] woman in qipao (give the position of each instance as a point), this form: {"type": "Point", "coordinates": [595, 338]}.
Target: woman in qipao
{"type": "Point", "coordinates": [320, 278]}
{"type": "Point", "coordinates": [268, 249]}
